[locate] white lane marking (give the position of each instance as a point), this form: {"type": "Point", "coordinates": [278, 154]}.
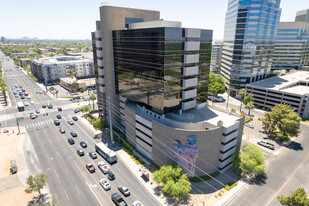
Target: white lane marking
{"type": "Point", "coordinates": [56, 174]}
{"type": "Point", "coordinates": [39, 123]}
{"type": "Point", "coordinates": [94, 193]}
{"type": "Point", "coordinates": [87, 135]}
{"type": "Point", "coordinates": [66, 170]}
{"type": "Point", "coordinates": [27, 126]}
{"type": "Point", "coordinates": [66, 194]}
{"type": "Point", "coordinates": [35, 124]}
{"type": "Point", "coordinates": [77, 189]}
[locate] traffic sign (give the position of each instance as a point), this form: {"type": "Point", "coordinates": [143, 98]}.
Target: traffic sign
{"type": "Point", "coordinates": [19, 118]}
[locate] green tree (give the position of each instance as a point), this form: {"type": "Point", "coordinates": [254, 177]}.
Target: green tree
{"type": "Point", "coordinates": [216, 88]}
{"type": "Point", "coordinates": [283, 119]}
{"type": "Point", "coordinates": [86, 108]}
{"type": "Point", "coordinates": [298, 198]}
{"type": "Point", "coordinates": [242, 93]}
{"type": "Point", "coordinates": [92, 97]}
{"type": "Point", "coordinates": [250, 105]}
{"type": "Point", "coordinates": [75, 73]}
{"type": "Point", "coordinates": [250, 161]}
{"type": "Point", "coordinates": [36, 183]}
{"type": "Point", "coordinates": [99, 124]}
{"type": "Point", "coordinates": [70, 73]}
{"type": "Point", "coordinates": [248, 98]}
{"type": "Point", "coordinates": [215, 78]}
{"type": "Point", "coordinates": [173, 180]}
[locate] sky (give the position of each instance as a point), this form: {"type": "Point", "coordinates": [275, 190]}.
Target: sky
{"type": "Point", "coordinates": [75, 19]}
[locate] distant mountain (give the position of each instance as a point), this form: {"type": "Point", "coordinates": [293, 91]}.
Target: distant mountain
{"type": "Point", "coordinates": [27, 38]}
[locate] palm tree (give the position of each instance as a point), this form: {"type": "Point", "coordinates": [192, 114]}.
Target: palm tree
{"type": "Point", "coordinates": [92, 97]}
{"type": "Point", "coordinates": [242, 93]}
{"type": "Point", "coordinates": [250, 105]}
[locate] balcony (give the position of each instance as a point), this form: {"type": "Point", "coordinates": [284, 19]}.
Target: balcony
{"type": "Point", "coordinates": [188, 71]}
{"type": "Point", "coordinates": [189, 82]}
{"type": "Point", "coordinates": [99, 53]}
{"type": "Point", "coordinates": [100, 63]}
{"type": "Point", "coordinates": [192, 46]}
{"type": "Point", "coordinates": [189, 94]}
{"type": "Point", "coordinates": [98, 44]}
{"type": "Point", "coordinates": [102, 89]}
{"type": "Point", "coordinates": [101, 72]}
{"type": "Point", "coordinates": [191, 58]}
{"type": "Point", "coordinates": [98, 34]}
{"type": "Point", "coordinates": [228, 146]}
{"type": "Point", "coordinates": [101, 81]}
{"type": "Point", "coordinates": [188, 105]}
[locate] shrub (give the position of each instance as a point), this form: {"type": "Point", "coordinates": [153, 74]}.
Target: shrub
{"type": "Point", "coordinates": [206, 177]}
{"type": "Point", "coordinates": [230, 185]}
{"type": "Point", "coordinates": [233, 110]}
{"type": "Point", "coordinates": [249, 119]}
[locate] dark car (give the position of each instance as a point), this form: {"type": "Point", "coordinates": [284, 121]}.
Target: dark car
{"type": "Point", "coordinates": [76, 110]}
{"type": "Point", "coordinates": [117, 199]}
{"type": "Point", "coordinates": [93, 155]}
{"type": "Point", "coordinates": [74, 118]}
{"type": "Point", "coordinates": [37, 111]}
{"type": "Point", "coordinates": [90, 167]}
{"type": "Point", "coordinates": [83, 144]}
{"type": "Point", "coordinates": [59, 109]}
{"type": "Point", "coordinates": [58, 116]}
{"type": "Point", "coordinates": [62, 131]}
{"type": "Point", "coordinates": [50, 106]}
{"type": "Point", "coordinates": [125, 191]}
{"type": "Point", "coordinates": [57, 122]}
{"type": "Point", "coordinates": [110, 175]}
{"type": "Point", "coordinates": [73, 134]}
{"type": "Point", "coordinates": [71, 141]}
{"type": "Point", "coordinates": [71, 122]}
{"type": "Point", "coordinates": [80, 152]}
{"type": "Point", "coordinates": [22, 97]}
{"type": "Point", "coordinates": [43, 105]}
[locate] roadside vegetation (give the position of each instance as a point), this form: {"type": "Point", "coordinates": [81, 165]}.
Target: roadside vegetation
{"type": "Point", "coordinates": [216, 85]}
{"type": "Point", "coordinates": [299, 197]}
{"type": "Point", "coordinates": [3, 86]}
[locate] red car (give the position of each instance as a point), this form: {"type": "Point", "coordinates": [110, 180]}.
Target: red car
{"type": "Point", "coordinates": [59, 109]}
{"type": "Point", "coordinates": [90, 167]}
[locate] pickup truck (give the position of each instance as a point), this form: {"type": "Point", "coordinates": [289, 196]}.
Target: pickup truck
{"type": "Point", "coordinates": [266, 144]}
{"type": "Point", "coordinates": [103, 167]}
{"type": "Point", "coordinates": [117, 199]}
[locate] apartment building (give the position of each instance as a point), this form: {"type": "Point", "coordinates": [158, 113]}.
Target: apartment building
{"type": "Point", "coordinates": [215, 61]}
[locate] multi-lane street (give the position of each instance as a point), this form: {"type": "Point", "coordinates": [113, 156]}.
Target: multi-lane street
{"type": "Point", "coordinates": [69, 180]}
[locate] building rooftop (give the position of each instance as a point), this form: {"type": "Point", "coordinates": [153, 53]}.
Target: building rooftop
{"type": "Point", "coordinates": [61, 59]}
{"type": "Point", "coordinates": [155, 24]}
{"type": "Point", "coordinates": [287, 83]}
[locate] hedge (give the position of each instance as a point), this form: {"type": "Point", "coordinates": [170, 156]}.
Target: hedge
{"type": "Point", "coordinates": [249, 119]}
{"type": "Point", "coordinates": [206, 177]}
{"type": "Point", "coordinates": [230, 185]}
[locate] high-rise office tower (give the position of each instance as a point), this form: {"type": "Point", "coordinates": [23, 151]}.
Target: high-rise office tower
{"type": "Point", "coordinates": [302, 16]}
{"type": "Point", "coordinates": [249, 40]}
{"type": "Point", "coordinates": [292, 46]}
{"type": "Point", "coordinates": [156, 75]}
{"type": "Point", "coordinates": [215, 61]}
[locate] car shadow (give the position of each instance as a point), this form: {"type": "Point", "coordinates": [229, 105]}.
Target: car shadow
{"type": "Point", "coordinates": [259, 180]}
{"type": "Point", "coordinates": [295, 146]}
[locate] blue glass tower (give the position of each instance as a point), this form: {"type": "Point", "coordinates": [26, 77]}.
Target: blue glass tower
{"type": "Point", "coordinates": [249, 40]}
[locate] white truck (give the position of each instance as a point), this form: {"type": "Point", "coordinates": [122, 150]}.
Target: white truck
{"type": "Point", "coordinates": [103, 167]}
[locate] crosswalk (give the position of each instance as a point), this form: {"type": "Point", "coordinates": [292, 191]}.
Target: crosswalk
{"type": "Point", "coordinates": [45, 122]}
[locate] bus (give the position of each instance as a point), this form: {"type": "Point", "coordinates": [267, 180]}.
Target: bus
{"type": "Point", "coordinates": [106, 153]}
{"type": "Point", "coordinates": [20, 106]}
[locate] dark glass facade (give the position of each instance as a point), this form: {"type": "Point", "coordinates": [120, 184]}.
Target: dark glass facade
{"type": "Point", "coordinates": [149, 66]}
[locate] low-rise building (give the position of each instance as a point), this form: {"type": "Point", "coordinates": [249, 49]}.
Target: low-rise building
{"type": "Point", "coordinates": [43, 51]}
{"type": "Point", "coordinates": [73, 85]}
{"type": "Point", "coordinates": [18, 55]}
{"type": "Point", "coordinates": [25, 62]}
{"type": "Point", "coordinates": [50, 70]}
{"type": "Point", "coordinates": [292, 89]}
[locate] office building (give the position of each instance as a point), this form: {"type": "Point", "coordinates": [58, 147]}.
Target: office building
{"type": "Point", "coordinates": [249, 40]}
{"type": "Point", "coordinates": [3, 39]}
{"type": "Point", "coordinates": [302, 16]}
{"type": "Point", "coordinates": [50, 70]}
{"type": "Point", "coordinates": [292, 44]}
{"type": "Point", "coordinates": [156, 75]}
{"type": "Point", "coordinates": [215, 61]}
{"type": "Point", "coordinates": [291, 89]}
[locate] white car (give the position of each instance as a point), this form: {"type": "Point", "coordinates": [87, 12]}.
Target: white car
{"type": "Point", "coordinates": [103, 167]}
{"type": "Point", "coordinates": [105, 184]}
{"type": "Point", "coordinates": [137, 203]}
{"type": "Point", "coordinates": [28, 97]}
{"type": "Point", "coordinates": [31, 102]}
{"type": "Point", "coordinates": [249, 125]}
{"type": "Point", "coordinates": [26, 103]}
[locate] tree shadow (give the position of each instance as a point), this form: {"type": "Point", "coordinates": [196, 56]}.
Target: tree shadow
{"type": "Point", "coordinates": [259, 180]}
{"type": "Point", "coordinates": [35, 200]}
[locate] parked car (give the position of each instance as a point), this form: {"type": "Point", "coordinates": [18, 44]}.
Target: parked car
{"type": "Point", "coordinates": [125, 191]}
{"type": "Point", "coordinates": [266, 144]}
{"type": "Point", "coordinates": [71, 141]}
{"type": "Point", "coordinates": [80, 152]}
{"type": "Point", "coordinates": [26, 103]}
{"type": "Point", "coordinates": [103, 167]}
{"type": "Point", "coordinates": [249, 125]}
{"type": "Point", "coordinates": [62, 131]}
{"type": "Point", "coordinates": [59, 109]}
{"type": "Point", "coordinates": [73, 134]}
{"type": "Point", "coordinates": [77, 110]}
{"type": "Point", "coordinates": [93, 155]}
{"type": "Point", "coordinates": [137, 203]}
{"type": "Point", "coordinates": [43, 105]}
{"type": "Point", "coordinates": [57, 122]}
{"type": "Point", "coordinates": [71, 122]}
{"type": "Point", "coordinates": [90, 167]}
{"type": "Point", "coordinates": [83, 144]}
{"type": "Point", "coordinates": [105, 184]}
{"type": "Point", "coordinates": [118, 200]}
{"type": "Point", "coordinates": [49, 106]}
{"type": "Point", "coordinates": [74, 118]}
{"type": "Point", "coordinates": [110, 175]}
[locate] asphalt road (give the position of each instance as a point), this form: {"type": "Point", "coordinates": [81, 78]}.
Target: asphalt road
{"type": "Point", "coordinates": [287, 172]}
{"type": "Point", "coordinates": [69, 180]}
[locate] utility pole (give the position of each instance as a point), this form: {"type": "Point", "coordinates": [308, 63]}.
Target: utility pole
{"type": "Point", "coordinates": [228, 97]}
{"type": "Point", "coordinates": [110, 120]}
{"type": "Point", "coordinates": [17, 124]}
